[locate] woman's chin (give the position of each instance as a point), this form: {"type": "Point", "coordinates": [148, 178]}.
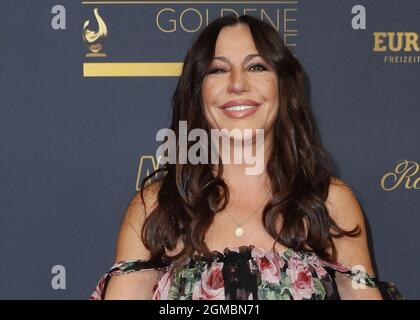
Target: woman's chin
{"type": "Point", "coordinates": [242, 134]}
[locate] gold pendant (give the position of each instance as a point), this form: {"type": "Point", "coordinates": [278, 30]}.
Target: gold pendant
{"type": "Point", "coordinates": [239, 231]}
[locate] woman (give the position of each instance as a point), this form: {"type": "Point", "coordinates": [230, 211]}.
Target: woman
{"type": "Point", "coordinates": [211, 231]}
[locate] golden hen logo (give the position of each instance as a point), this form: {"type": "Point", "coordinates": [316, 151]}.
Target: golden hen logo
{"type": "Point", "coordinates": [93, 39]}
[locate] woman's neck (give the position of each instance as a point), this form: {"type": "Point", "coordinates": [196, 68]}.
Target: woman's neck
{"type": "Point", "coordinates": [237, 177]}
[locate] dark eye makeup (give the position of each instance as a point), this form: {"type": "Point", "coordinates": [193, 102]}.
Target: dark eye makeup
{"type": "Point", "coordinates": [260, 66]}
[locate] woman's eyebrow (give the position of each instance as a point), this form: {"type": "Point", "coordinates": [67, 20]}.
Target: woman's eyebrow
{"type": "Point", "coordinates": [246, 59]}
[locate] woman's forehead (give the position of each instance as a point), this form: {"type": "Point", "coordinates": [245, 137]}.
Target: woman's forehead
{"type": "Point", "coordinates": [234, 40]}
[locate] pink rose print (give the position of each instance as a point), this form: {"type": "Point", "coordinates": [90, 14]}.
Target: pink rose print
{"type": "Point", "coordinates": [314, 261]}
{"type": "Point", "coordinates": [301, 279]}
{"type": "Point", "coordinates": [269, 265]}
{"type": "Point", "coordinates": [211, 286]}
{"type": "Point", "coordinates": [270, 269]}
{"type": "Point", "coordinates": [162, 289]}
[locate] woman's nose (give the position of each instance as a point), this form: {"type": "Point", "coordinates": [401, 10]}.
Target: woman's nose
{"type": "Point", "coordinates": [238, 82]}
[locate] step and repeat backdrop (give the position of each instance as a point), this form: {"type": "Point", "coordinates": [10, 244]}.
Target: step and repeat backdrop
{"type": "Point", "coordinates": [86, 85]}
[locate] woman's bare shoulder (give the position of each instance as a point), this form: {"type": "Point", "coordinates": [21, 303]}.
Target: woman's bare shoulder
{"type": "Point", "coordinates": [136, 208]}
{"type": "Point", "coordinates": [130, 244]}
{"type": "Point", "coordinates": [134, 285]}
{"type": "Point", "coordinates": [343, 206]}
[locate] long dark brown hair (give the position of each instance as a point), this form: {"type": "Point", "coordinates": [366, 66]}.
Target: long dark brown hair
{"type": "Point", "coordinates": [299, 167]}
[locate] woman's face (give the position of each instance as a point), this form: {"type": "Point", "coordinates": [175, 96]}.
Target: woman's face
{"type": "Point", "coordinates": [241, 89]}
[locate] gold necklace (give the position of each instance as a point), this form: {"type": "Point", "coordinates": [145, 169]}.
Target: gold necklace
{"type": "Point", "coordinates": [239, 231]}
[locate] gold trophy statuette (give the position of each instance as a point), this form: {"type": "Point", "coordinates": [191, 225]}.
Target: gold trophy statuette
{"type": "Point", "coordinates": [93, 39]}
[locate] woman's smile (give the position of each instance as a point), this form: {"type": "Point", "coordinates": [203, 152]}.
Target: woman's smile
{"type": "Point", "coordinates": [239, 109]}
{"type": "Point", "coordinates": [240, 90]}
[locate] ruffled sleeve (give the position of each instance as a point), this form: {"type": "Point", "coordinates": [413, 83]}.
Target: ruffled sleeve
{"type": "Point", "coordinates": [358, 275]}
{"type": "Point", "coordinates": [388, 289]}
{"type": "Point", "coordinates": [120, 268]}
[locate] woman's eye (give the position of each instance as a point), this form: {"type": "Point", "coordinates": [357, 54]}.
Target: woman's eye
{"type": "Point", "coordinates": [260, 67]}
{"type": "Point", "coordinates": [216, 70]}
{"type": "Point", "coordinates": [257, 67]}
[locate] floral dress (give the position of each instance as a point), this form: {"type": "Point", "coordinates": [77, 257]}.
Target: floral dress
{"type": "Point", "coordinates": [243, 273]}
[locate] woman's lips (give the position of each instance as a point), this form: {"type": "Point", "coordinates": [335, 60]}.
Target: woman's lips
{"type": "Point", "coordinates": [238, 114]}
{"type": "Point", "coordinates": [240, 108]}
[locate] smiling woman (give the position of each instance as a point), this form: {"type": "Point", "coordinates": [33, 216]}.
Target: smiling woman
{"type": "Point", "coordinates": [301, 232]}
{"type": "Point", "coordinates": [238, 70]}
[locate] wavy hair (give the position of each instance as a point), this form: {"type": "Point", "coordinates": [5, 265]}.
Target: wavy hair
{"type": "Point", "coordinates": [299, 167]}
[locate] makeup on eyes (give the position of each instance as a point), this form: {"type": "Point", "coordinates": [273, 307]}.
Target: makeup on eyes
{"type": "Point", "coordinates": [221, 68]}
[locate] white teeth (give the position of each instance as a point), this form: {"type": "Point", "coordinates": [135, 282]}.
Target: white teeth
{"type": "Point", "coordinates": [240, 108]}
